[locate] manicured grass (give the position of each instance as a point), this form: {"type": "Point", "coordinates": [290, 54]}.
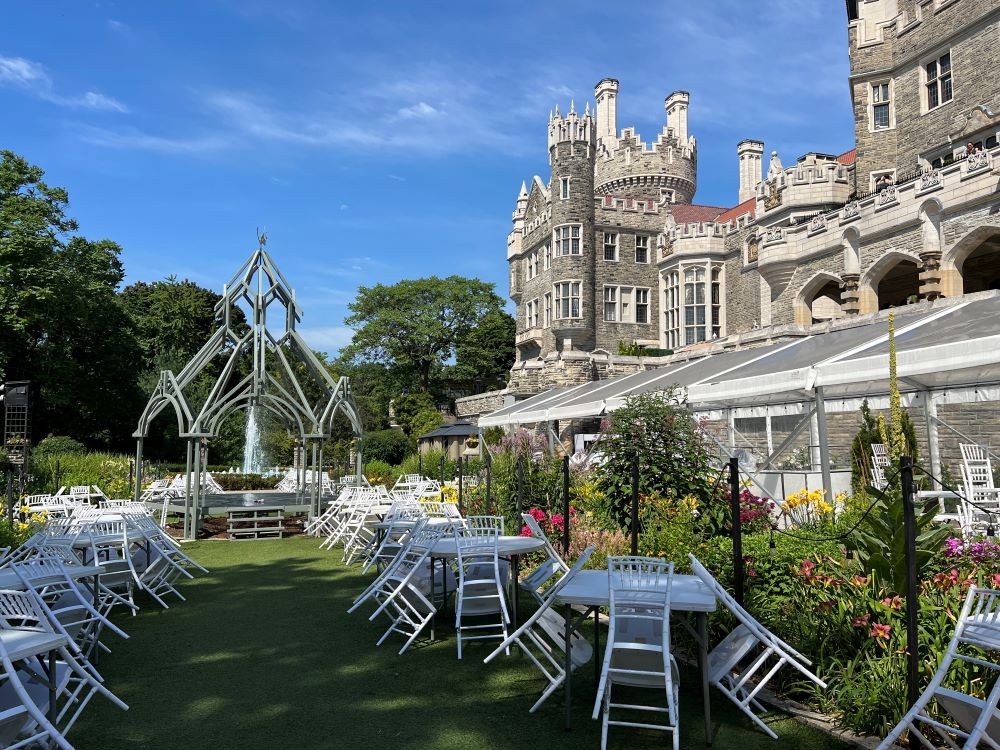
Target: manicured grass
{"type": "Point", "coordinates": [263, 655]}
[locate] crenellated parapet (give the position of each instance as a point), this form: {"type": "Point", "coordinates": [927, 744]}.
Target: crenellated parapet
{"type": "Point", "coordinates": [573, 127]}
{"type": "Point", "coordinates": [815, 182]}
{"type": "Point", "coordinates": [785, 248]}
{"type": "Point", "coordinates": [666, 168]}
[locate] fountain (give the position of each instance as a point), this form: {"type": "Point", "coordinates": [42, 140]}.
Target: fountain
{"type": "Point", "coordinates": [254, 461]}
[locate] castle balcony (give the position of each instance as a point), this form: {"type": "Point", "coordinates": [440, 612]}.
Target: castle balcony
{"type": "Point", "coordinates": [699, 240]}
{"type": "Point", "coordinates": [530, 335]}
{"type": "Point", "coordinates": [817, 182]}
{"type": "Point", "coordinates": [969, 181]}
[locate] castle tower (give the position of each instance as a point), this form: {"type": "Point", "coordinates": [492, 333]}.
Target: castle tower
{"type": "Point", "coordinates": [750, 153]}
{"type": "Point", "coordinates": [677, 113]}
{"type": "Point", "coordinates": [606, 93]}
{"type": "Point", "coordinates": [572, 151]}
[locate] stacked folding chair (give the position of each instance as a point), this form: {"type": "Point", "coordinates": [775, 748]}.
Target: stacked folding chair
{"type": "Point", "coordinates": [542, 637]}
{"type": "Point", "coordinates": [744, 661]}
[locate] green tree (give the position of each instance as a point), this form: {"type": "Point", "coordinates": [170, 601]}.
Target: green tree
{"type": "Point", "coordinates": [415, 326]}
{"type": "Point", "coordinates": [407, 406]}
{"type": "Point", "coordinates": [425, 421]}
{"type": "Point", "coordinates": [485, 354]}
{"type": "Point", "coordinates": [61, 323]}
{"type": "Point", "coordinates": [656, 430]}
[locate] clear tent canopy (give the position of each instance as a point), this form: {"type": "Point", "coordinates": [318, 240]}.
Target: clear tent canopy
{"type": "Point", "coordinates": [948, 352]}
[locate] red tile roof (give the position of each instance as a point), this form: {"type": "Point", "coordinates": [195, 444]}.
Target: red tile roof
{"type": "Point", "coordinates": [685, 213]}
{"type": "Point", "coordinates": [847, 158]}
{"type": "Point", "coordinates": [746, 207]}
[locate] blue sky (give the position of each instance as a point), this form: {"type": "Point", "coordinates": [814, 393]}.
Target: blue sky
{"type": "Point", "coordinates": [379, 141]}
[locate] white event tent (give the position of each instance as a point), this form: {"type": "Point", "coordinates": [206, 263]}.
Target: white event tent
{"type": "Point", "coordinates": [948, 352]}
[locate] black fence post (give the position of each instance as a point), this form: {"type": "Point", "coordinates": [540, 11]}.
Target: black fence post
{"type": "Point", "coordinates": [912, 584]}
{"type": "Point", "coordinates": [520, 489]}
{"type": "Point", "coordinates": [57, 477]}
{"type": "Point", "coordinates": [489, 484]}
{"type": "Point", "coordinates": [420, 463]}
{"type": "Point", "coordinates": [10, 496]}
{"type": "Point", "coordinates": [566, 511]}
{"type": "Point", "coordinates": [461, 462]}
{"type": "Point", "coordinates": [634, 524]}
{"type": "Point", "coordinates": [734, 497]}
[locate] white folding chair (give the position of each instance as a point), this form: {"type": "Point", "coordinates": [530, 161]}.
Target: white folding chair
{"type": "Point", "coordinates": [402, 520]}
{"type": "Point", "coordinates": [638, 648]}
{"type": "Point", "coordinates": [552, 568]}
{"type": "Point", "coordinates": [981, 508]}
{"type": "Point", "coordinates": [972, 721]}
{"type": "Point", "coordinates": [24, 720]}
{"type": "Point", "coordinates": [403, 594]}
{"type": "Point", "coordinates": [744, 661]}
{"type": "Point", "coordinates": [480, 592]}
{"type": "Point", "coordinates": [74, 612]}
{"type": "Point", "coordinates": [542, 638]}
{"type": "Point", "coordinates": [28, 630]}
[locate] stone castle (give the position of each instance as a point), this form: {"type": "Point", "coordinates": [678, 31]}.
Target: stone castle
{"type": "Point", "coordinates": [612, 249]}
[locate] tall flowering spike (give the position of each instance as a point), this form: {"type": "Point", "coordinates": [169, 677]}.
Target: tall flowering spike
{"type": "Point", "coordinates": [895, 440]}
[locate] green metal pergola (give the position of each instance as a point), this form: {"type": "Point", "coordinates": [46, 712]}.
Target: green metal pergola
{"type": "Point", "coordinates": [273, 348]}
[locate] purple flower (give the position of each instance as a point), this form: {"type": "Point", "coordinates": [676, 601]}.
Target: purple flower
{"type": "Point", "coordinates": [953, 547]}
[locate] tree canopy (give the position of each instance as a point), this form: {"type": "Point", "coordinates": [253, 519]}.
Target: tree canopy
{"type": "Point", "coordinates": [416, 326]}
{"type": "Point", "coordinates": [61, 324]}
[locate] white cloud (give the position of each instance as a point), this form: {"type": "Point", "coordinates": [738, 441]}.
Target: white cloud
{"type": "Point", "coordinates": [134, 139]}
{"type": "Point", "coordinates": [20, 72]}
{"type": "Point", "coordinates": [420, 109]}
{"type": "Point", "coordinates": [327, 338]}
{"type": "Point", "coordinates": [93, 100]}
{"type": "Point", "coordinates": [35, 80]}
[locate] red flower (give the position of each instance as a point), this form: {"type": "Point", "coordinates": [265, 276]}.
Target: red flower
{"type": "Point", "coordinates": [860, 622]}
{"type": "Point", "coordinates": [880, 631]}
{"type": "Point", "coordinates": [893, 603]}
{"type": "Point", "coordinates": [995, 580]}
{"type": "Point", "coordinates": [859, 580]}
{"type": "Point", "coordinates": [538, 514]}
{"type": "Point", "coordinates": [806, 569]}
{"type": "Point", "coordinates": [525, 530]}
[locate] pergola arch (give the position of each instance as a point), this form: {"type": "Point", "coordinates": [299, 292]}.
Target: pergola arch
{"type": "Point", "coordinates": [814, 288]}
{"type": "Point", "coordinates": [268, 380]}
{"type": "Point", "coordinates": [868, 288]}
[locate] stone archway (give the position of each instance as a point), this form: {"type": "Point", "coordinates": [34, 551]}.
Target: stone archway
{"type": "Point", "coordinates": [819, 300]}
{"type": "Point", "coordinates": [973, 263]}
{"type": "Point", "coordinates": [893, 280]}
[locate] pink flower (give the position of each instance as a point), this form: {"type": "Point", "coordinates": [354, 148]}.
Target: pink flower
{"type": "Point", "coordinates": [880, 631]}
{"type": "Point", "coordinates": [558, 522]}
{"type": "Point", "coordinates": [995, 580]}
{"type": "Point", "coordinates": [860, 622]}
{"type": "Point", "coordinates": [806, 568]}
{"type": "Point", "coordinates": [893, 603]}
{"type": "Point", "coordinates": [859, 580]}
{"type": "Point", "coordinates": [538, 514]}
{"type": "Point", "coordinates": [526, 530]}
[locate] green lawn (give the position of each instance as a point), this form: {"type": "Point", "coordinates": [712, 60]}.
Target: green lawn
{"type": "Point", "coordinates": [263, 655]}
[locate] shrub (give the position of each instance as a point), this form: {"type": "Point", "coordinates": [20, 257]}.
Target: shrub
{"type": "Point", "coordinates": [235, 482]}
{"type": "Point", "coordinates": [381, 472]}
{"type": "Point", "coordinates": [493, 435]}
{"type": "Point", "coordinates": [109, 471]}
{"type": "Point", "coordinates": [56, 444]}
{"type": "Point", "coordinates": [390, 446]}
{"type": "Point", "coordinates": [656, 430]}
{"type": "Point", "coordinates": [428, 464]}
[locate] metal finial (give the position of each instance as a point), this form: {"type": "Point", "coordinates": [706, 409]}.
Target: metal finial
{"type": "Point", "coordinates": [262, 237]}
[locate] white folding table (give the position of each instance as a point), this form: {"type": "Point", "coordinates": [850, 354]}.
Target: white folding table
{"type": "Point", "coordinates": [591, 589]}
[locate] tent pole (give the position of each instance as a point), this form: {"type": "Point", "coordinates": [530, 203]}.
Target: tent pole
{"type": "Point", "coordinates": [770, 434]}
{"type": "Point", "coordinates": [731, 425]}
{"type": "Point", "coordinates": [824, 446]}
{"type": "Point", "coordinates": [815, 454]}
{"type": "Point", "coordinates": [314, 498]}
{"type": "Point", "coordinates": [138, 470]}
{"type": "Point", "coordinates": [196, 487]}
{"type": "Point", "coordinates": [187, 492]}
{"type": "Point", "coordinates": [320, 476]}
{"type": "Point", "coordinates": [930, 420]}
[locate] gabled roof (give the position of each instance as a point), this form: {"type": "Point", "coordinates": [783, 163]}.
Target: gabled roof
{"type": "Point", "coordinates": [685, 213]}
{"type": "Point", "coordinates": [455, 429]}
{"type": "Point", "coordinates": [746, 207]}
